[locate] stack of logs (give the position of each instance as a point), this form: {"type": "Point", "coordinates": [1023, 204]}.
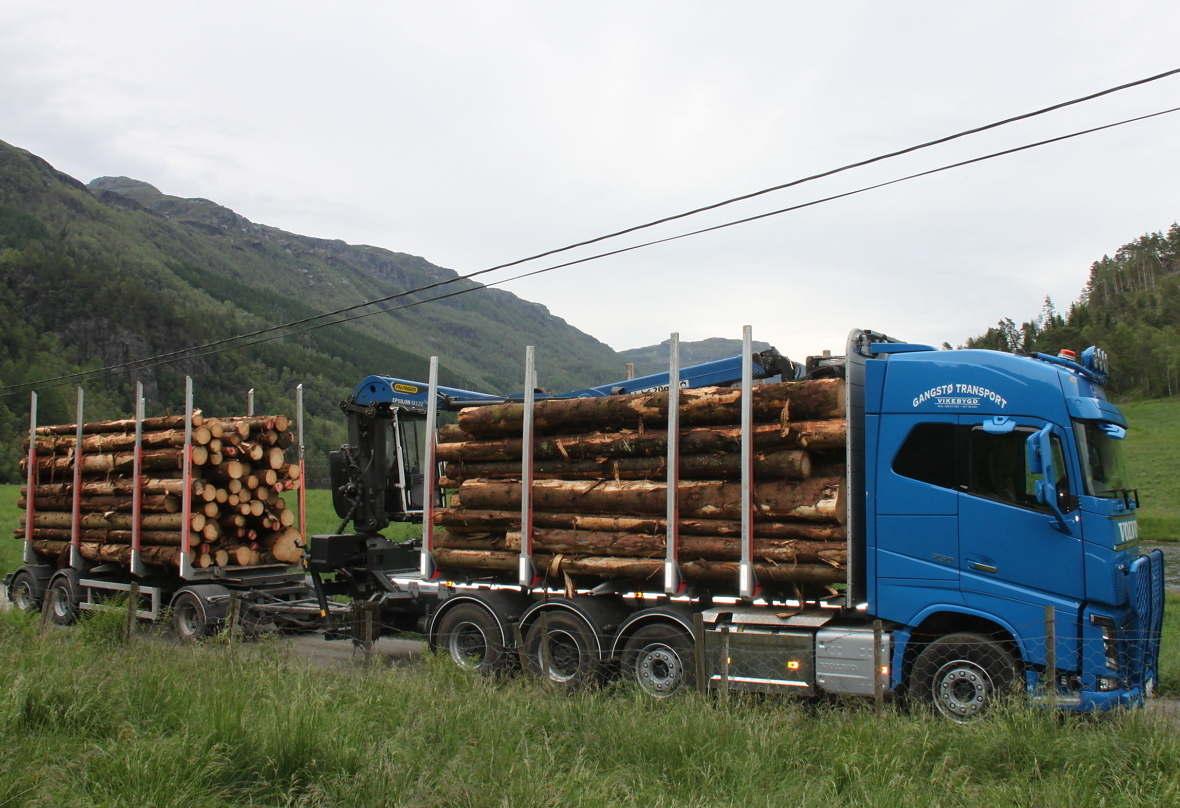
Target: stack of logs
{"type": "Point", "coordinates": [239, 516]}
{"type": "Point", "coordinates": [599, 493]}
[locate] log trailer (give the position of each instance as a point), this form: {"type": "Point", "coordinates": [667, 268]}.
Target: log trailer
{"type": "Point", "coordinates": [949, 526]}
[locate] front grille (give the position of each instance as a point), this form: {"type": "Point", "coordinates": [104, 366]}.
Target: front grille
{"type": "Point", "coordinates": [1146, 578]}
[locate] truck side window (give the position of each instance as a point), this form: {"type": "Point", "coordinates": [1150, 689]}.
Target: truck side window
{"type": "Point", "coordinates": [999, 470]}
{"type": "Point", "coordinates": [928, 455]}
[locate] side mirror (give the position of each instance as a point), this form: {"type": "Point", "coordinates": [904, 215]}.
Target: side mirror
{"type": "Point", "coordinates": [1040, 461]}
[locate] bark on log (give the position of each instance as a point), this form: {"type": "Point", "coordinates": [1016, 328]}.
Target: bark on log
{"type": "Point", "coordinates": [113, 487]}
{"type": "Point", "coordinates": [816, 399]}
{"type": "Point", "coordinates": [112, 521]}
{"type": "Point", "coordinates": [636, 568]}
{"type": "Point", "coordinates": [713, 548]}
{"type": "Point", "coordinates": [817, 499]}
{"type": "Point", "coordinates": [169, 538]}
{"type": "Point", "coordinates": [813, 435]}
{"type": "Point", "coordinates": [117, 553]}
{"type": "Point", "coordinates": [124, 425]}
{"type": "Point", "coordinates": [152, 503]}
{"type": "Point", "coordinates": [117, 441]}
{"type": "Point", "coordinates": [475, 521]}
{"type": "Point", "coordinates": [790, 464]}
{"type": "Point", "coordinates": [110, 463]}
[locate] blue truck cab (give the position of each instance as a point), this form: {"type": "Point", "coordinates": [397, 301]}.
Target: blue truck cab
{"type": "Point", "coordinates": [995, 504]}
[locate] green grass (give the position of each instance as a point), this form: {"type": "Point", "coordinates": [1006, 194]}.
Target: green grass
{"type": "Point", "coordinates": [223, 725]}
{"type": "Point", "coordinates": [1153, 460]}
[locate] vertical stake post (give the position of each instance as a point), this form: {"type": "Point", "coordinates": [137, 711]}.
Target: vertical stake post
{"type": "Point", "coordinates": [132, 611]}
{"type": "Point", "coordinates": [29, 556]}
{"type": "Point", "coordinates": [137, 567]}
{"type": "Point", "coordinates": [250, 401]}
{"type": "Point", "coordinates": [528, 574]}
{"type": "Point", "coordinates": [186, 500]}
{"type": "Point", "coordinates": [430, 471]}
{"type": "Point", "coordinates": [748, 585]}
{"type": "Point", "coordinates": [698, 637]}
{"type": "Point", "coordinates": [76, 522]}
{"type": "Point", "coordinates": [724, 662]}
{"type": "Point", "coordinates": [1051, 655]}
{"type": "Point", "coordinates": [878, 667]}
{"type": "Point", "coordinates": [672, 580]}
{"type": "Point", "coordinates": [302, 465]}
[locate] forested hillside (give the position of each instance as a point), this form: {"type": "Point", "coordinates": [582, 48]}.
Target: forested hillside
{"type": "Point", "coordinates": [1130, 307]}
{"type": "Point", "coordinates": [97, 276]}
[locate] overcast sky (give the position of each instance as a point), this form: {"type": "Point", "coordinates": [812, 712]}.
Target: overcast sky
{"type": "Point", "coordinates": [475, 133]}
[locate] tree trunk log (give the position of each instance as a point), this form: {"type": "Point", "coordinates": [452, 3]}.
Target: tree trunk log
{"type": "Point", "coordinates": [124, 425]}
{"type": "Point", "coordinates": [637, 568]}
{"type": "Point", "coordinates": [816, 399]}
{"type": "Point", "coordinates": [111, 521]}
{"type": "Point", "coordinates": [713, 548]}
{"type": "Point", "coordinates": [169, 538]}
{"type": "Point", "coordinates": [152, 503]}
{"type": "Point", "coordinates": [118, 441]}
{"type": "Point", "coordinates": [814, 435]}
{"type": "Point", "coordinates": [791, 464]}
{"type": "Point", "coordinates": [472, 521]}
{"type": "Point", "coordinates": [115, 487]}
{"type": "Point", "coordinates": [109, 463]}
{"type": "Point", "coordinates": [817, 499]}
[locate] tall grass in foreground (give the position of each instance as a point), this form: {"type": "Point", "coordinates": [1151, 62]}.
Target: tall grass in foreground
{"type": "Point", "coordinates": [90, 722]}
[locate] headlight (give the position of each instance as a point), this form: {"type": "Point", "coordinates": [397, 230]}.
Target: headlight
{"type": "Point", "coordinates": [1110, 642]}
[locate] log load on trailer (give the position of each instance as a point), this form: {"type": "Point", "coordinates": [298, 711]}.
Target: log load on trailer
{"type": "Point", "coordinates": [187, 511]}
{"type": "Point", "coordinates": [951, 526]}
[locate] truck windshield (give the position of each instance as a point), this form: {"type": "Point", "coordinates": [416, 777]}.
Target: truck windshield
{"type": "Point", "coordinates": [1102, 460]}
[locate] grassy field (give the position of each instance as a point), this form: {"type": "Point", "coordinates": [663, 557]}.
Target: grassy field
{"type": "Point", "coordinates": [88, 721]}
{"type": "Point", "coordinates": [1153, 460]}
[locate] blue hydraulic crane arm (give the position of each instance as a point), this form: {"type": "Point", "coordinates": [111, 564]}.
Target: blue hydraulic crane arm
{"type": "Point", "coordinates": [413, 395]}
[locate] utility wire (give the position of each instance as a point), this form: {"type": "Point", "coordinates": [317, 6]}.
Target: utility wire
{"type": "Point", "coordinates": [167, 359]}
{"type": "Point", "coordinates": [186, 352]}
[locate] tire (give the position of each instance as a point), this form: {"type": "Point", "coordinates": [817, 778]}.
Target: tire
{"type": "Point", "coordinates": [26, 592]}
{"type": "Point", "coordinates": [661, 659]}
{"type": "Point", "coordinates": [963, 676]}
{"type": "Point", "coordinates": [573, 660]}
{"type": "Point", "coordinates": [470, 635]}
{"type": "Point", "coordinates": [190, 620]}
{"type": "Point", "coordinates": [67, 596]}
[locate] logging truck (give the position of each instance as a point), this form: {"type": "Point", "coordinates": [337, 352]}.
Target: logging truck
{"type": "Point", "coordinates": [954, 527]}
{"type": "Point", "coordinates": [186, 516]}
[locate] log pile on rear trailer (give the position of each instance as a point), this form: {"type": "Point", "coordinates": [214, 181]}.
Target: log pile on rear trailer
{"type": "Point", "coordinates": [239, 473]}
{"type": "Point", "coordinates": [599, 485]}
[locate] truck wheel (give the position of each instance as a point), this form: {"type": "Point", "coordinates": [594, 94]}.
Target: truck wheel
{"type": "Point", "coordinates": [571, 646]}
{"type": "Point", "coordinates": [190, 621]}
{"type": "Point", "coordinates": [963, 675]}
{"type": "Point", "coordinates": [25, 592]}
{"type": "Point", "coordinates": [661, 659]}
{"type": "Point", "coordinates": [470, 635]}
{"type": "Point", "coordinates": [66, 596]}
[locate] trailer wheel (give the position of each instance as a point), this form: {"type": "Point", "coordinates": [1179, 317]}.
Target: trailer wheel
{"type": "Point", "coordinates": [661, 659]}
{"type": "Point", "coordinates": [65, 594]}
{"type": "Point", "coordinates": [190, 621]}
{"type": "Point", "coordinates": [963, 675]}
{"type": "Point", "coordinates": [25, 592]}
{"type": "Point", "coordinates": [569, 645]}
{"type": "Point", "coordinates": [471, 636]}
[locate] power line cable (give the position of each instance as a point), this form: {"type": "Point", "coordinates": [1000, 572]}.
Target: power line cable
{"type": "Point", "coordinates": [167, 359]}
{"type": "Point", "coordinates": [182, 353]}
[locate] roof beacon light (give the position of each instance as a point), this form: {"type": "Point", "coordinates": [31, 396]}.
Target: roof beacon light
{"type": "Point", "coordinates": [1066, 353]}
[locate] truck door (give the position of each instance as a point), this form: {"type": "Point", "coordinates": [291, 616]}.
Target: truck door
{"type": "Point", "coordinates": [1009, 541]}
